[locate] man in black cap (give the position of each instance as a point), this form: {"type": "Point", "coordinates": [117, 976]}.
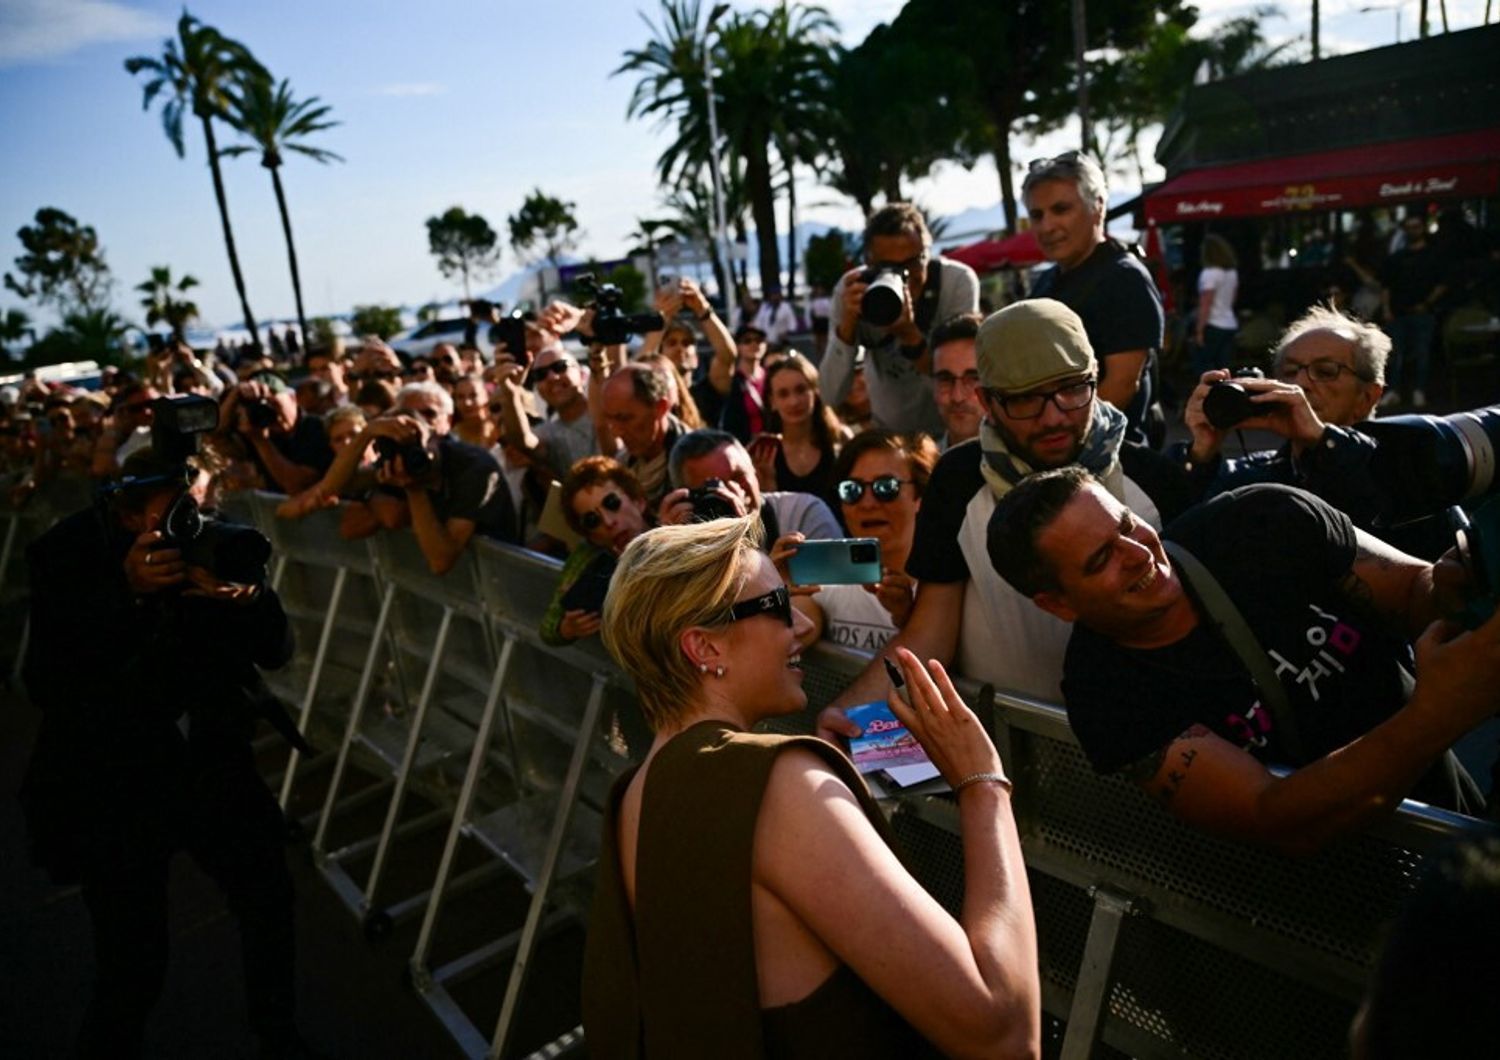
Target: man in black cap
{"type": "Point", "coordinates": [290, 448]}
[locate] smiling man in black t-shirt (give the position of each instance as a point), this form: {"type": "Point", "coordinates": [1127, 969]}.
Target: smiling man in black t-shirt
{"type": "Point", "coordinates": [1155, 693]}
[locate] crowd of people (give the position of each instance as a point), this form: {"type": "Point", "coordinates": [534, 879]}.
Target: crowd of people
{"type": "Point", "coordinates": [1204, 618]}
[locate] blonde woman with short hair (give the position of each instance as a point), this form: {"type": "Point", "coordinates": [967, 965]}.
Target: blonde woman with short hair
{"type": "Point", "coordinates": [749, 901]}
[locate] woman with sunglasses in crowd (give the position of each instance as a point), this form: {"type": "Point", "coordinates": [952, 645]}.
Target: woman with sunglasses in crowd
{"type": "Point", "coordinates": [881, 477]}
{"type": "Point", "coordinates": [803, 435]}
{"type": "Point", "coordinates": [749, 902]}
{"type": "Point", "coordinates": [604, 503]}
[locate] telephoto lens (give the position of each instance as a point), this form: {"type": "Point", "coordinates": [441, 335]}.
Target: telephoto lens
{"type": "Point", "coordinates": [883, 299]}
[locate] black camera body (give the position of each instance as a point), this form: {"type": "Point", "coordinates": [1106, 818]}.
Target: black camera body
{"type": "Point", "coordinates": [884, 297]}
{"type": "Point", "coordinates": [228, 551]}
{"type": "Point", "coordinates": [414, 456]}
{"type": "Point", "coordinates": [709, 505]}
{"type": "Point", "coordinates": [260, 413]}
{"type": "Point", "coordinates": [1227, 404]}
{"type": "Point", "coordinates": [612, 325]}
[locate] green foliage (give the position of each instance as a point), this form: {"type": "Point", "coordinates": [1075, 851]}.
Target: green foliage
{"type": "Point", "coordinates": [86, 335]}
{"type": "Point", "coordinates": [162, 302]}
{"type": "Point", "coordinates": [827, 258]}
{"type": "Point", "coordinates": [14, 326]}
{"type": "Point", "coordinates": [274, 122]}
{"type": "Point", "coordinates": [198, 71]}
{"type": "Point", "coordinates": [464, 244]}
{"type": "Point", "coordinates": [321, 331]}
{"type": "Point", "coordinates": [544, 228]}
{"type": "Point", "coordinates": [773, 70]}
{"type": "Point", "coordinates": [63, 264]}
{"type": "Point", "coordinates": [632, 284]}
{"type": "Point", "coordinates": [429, 312]}
{"type": "Point", "coordinates": [382, 320]}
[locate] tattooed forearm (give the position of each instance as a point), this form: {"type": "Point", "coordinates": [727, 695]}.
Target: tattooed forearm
{"type": "Point", "coordinates": [1146, 767]}
{"type": "Point", "coordinates": [1163, 771]}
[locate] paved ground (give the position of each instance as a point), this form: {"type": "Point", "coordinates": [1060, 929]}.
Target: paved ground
{"type": "Point", "coordinates": [352, 994]}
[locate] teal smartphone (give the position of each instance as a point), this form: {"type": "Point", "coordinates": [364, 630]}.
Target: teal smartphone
{"type": "Point", "coordinates": [840, 561]}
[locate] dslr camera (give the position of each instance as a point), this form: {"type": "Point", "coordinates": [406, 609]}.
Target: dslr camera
{"type": "Point", "coordinates": [612, 325]}
{"type": "Point", "coordinates": [708, 504]}
{"type": "Point", "coordinates": [414, 455]}
{"type": "Point", "coordinates": [228, 551]}
{"type": "Point", "coordinates": [1227, 403]}
{"type": "Point", "coordinates": [883, 298]}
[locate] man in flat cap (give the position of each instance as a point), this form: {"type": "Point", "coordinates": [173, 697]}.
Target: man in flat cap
{"type": "Point", "coordinates": [1038, 378]}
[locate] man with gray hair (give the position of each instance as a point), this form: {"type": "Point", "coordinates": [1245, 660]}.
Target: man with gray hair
{"type": "Point", "coordinates": [897, 355]}
{"type": "Point", "coordinates": [1327, 377]}
{"type": "Point", "coordinates": [1102, 281]}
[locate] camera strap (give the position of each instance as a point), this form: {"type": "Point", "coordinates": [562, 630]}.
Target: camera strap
{"type": "Point", "coordinates": [1235, 632]}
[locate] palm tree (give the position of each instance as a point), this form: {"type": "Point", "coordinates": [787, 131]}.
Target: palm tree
{"type": "Point", "coordinates": [162, 302]}
{"type": "Point", "coordinates": [275, 123]}
{"type": "Point", "coordinates": [198, 69]}
{"type": "Point", "coordinates": [95, 334]}
{"type": "Point", "coordinates": [772, 75]}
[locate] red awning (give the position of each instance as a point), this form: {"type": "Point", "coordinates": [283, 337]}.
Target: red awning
{"type": "Point", "coordinates": [1459, 165]}
{"type": "Point", "coordinates": [990, 254]}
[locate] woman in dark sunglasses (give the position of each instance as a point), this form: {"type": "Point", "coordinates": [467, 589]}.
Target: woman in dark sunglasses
{"type": "Point", "coordinates": [604, 504]}
{"type": "Point", "coordinates": [749, 899]}
{"type": "Point", "coordinates": [880, 478]}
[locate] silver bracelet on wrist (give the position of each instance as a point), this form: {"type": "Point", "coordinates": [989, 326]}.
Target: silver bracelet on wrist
{"type": "Point", "coordinates": [976, 778]}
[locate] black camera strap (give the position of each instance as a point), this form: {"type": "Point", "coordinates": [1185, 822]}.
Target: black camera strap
{"type": "Point", "coordinates": [1235, 632]}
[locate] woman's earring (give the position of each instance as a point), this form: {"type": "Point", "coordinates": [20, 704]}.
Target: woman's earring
{"type": "Point", "coordinates": [718, 671]}
{"type": "Point", "coordinates": [703, 668]}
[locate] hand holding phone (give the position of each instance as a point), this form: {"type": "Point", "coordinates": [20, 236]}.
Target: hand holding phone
{"type": "Point", "coordinates": [839, 561]}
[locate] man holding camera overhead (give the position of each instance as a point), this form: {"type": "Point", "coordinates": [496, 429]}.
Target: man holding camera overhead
{"type": "Point", "coordinates": [888, 309]}
{"type": "Point", "coordinates": [288, 447]}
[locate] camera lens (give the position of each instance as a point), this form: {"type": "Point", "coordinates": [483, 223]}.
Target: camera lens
{"type": "Point", "coordinates": [864, 552]}
{"type": "Point", "coordinates": [883, 299]}
{"type": "Point", "coordinates": [1227, 405]}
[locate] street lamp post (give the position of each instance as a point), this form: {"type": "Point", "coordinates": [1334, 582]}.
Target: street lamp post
{"type": "Point", "coordinates": [720, 223]}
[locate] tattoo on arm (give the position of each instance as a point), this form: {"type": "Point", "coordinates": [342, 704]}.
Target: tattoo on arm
{"type": "Point", "coordinates": [1360, 594]}
{"type": "Point", "coordinates": [1176, 759]}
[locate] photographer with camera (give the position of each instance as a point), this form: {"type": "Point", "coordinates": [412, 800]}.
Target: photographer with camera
{"type": "Point", "coordinates": [288, 447]}
{"type": "Point", "coordinates": [148, 620]}
{"type": "Point", "coordinates": [888, 310]}
{"type": "Point", "coordinates": [1328, 375]}
{"type": "Point", "coordinates": [445, 490]}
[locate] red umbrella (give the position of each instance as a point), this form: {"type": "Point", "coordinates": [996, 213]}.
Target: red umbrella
{"type": "Point", "coordinates": [987, 255]}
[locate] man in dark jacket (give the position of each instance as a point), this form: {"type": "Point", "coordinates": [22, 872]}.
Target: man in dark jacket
{"type": "Point", "coordinates": [144, 669]}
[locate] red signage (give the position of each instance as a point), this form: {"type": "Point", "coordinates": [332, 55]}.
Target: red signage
{"type": "Point", "coordinates": [1465, 165]}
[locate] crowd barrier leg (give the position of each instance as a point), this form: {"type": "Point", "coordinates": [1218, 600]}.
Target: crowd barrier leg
{"type": "Point", "coordinates": [351, 727]}
{"type": "Point", "coordinates": [325, 636]}
{"type": "Point", "coordinates": [23, 643]}
{"type": "Point", "coordinates": [1095, 974]}
{"type": "Point", "coordinates": [403, 774]}
{"type": "Point", "coordinates": [567, 802]}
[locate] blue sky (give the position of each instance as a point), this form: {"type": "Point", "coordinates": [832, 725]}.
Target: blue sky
{"type": "Point", "coordinates": [443, 102]}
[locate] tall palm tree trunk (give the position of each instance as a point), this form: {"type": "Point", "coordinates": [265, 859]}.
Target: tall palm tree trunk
{"type": "Point", "coordinates": [763, 211]}
{"type": "Point", "coordinates": [791, 231]}
{"type": "Point", "coordinates": [1001, 150]}
{"type": "Point", "coordinates": [291, 252]}
{"type": "Point", "coordinates": [234, 257]}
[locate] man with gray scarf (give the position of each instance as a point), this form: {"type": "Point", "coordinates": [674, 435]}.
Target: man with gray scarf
{"type": "Point", "coordinates": [1038, 377]}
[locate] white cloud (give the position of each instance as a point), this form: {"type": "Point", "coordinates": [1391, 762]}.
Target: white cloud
{"type": "Point", "coordinates": [412, 88]}
{"type": "Point", "coordinates": [38, 30]}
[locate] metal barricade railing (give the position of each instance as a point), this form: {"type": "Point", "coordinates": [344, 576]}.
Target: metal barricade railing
{"type": "Point", "coordinates": [1154, 939]}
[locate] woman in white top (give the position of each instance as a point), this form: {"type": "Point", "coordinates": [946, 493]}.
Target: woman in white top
{"type": "Point", "coordinates": [879, 476]}
{"type": "Point", "coordinates": [1218, 283]}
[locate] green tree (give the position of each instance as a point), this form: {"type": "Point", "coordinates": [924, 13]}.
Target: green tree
{"type": "Point", "coordinates": [632, 284]}
{"type": "Point", "coordinates": [382, 320]}
{"type": "Point", "coordinates": [166, 302]}
{"type": "Point", "coordinates": [322, 335]}
{"type": "Point", "coordinates": [85, 335]}
{"type": "Point", "coordinates": [1012, 65]}
{"type": "Point", "coordinates": [464, 244]}
{"type": "Point", "coordinates": [197, 71]}
{"type": "Point", "coordinates": [276, 124]}
{"type": "Point", "coordinates": [14, 327]}
{"type": "Point", "coordinates": [828, 257]}
{"type": "Point", "coordinates": [543, 228]}
{"type": "Point", "coordinates": [772, 72]}
{"type": "Point", "coordinates": [63, 264]}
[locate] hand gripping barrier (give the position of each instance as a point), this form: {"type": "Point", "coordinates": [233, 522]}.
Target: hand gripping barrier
{"type": "Point", "coordinates": [1154, 939]}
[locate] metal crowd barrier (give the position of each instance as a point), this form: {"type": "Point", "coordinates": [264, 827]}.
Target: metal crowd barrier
{"type": "Point", "coordinates": [1154, 939]}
